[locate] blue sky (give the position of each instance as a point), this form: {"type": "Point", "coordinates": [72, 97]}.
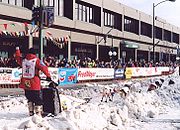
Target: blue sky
{"type": "Point", "coordinates": [170, 11]}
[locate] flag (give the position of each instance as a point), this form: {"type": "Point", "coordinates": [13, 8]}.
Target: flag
{"type": "Point", "coordinates": [5, 26]}
{"type": "Point", "coordinates": [49, 33]}
{"type": "Point", "coordinates": [12, 24]}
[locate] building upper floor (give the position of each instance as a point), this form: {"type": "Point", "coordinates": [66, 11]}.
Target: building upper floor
{"type": "Point", "coordinates": [97, 17]}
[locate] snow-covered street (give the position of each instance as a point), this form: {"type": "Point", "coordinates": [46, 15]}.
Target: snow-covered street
{"type": "Point", "coordinates": [139, 110]}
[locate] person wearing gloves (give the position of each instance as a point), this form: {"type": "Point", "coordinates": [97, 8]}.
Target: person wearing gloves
{"type": "Point", "coordinates": [30, 80]}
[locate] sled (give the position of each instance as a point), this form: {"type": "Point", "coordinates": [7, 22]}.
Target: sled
{"type": "Point", "coordinates": [51, 100]}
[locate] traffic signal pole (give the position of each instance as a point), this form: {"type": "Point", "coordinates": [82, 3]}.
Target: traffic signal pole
{"type": "Point", "coordinates": [41, 31]}
{"type": "Point", "coordinates": [42, 16]}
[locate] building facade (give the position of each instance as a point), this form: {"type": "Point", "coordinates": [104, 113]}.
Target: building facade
{"type": "Point", "coordinates": [94, 28]}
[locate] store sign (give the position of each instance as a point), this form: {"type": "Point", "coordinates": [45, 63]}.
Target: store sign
{"type": "Point", "coordinates": [130, 44]}
{"type": "Point", "coordinates": [9, 44]}
{"type": "Point", "coordinates": [83, 50]}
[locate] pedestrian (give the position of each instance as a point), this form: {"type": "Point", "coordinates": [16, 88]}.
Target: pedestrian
{"type": "Point", "coordinates": [30, 80]}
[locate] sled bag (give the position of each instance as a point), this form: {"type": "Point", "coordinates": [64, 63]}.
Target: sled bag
{"type": "Point", "coordinates": [51, 101]}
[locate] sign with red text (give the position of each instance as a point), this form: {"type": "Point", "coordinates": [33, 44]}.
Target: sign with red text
{"type": "Point", "coordinates": [10, 75]}
{"type": "Point", "coordinates": [95, 73]}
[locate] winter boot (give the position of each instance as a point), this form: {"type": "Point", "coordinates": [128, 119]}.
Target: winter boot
{"type": "Point", "coordinates": [31, 108]}
{"type": "Point", "coordinates": [39, 110]}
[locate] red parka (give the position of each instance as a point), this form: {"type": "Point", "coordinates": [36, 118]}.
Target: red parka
{"type": "Point", "coordinates": [33, 83]}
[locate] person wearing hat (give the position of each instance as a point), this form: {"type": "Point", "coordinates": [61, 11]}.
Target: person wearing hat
{"type": "Point", "coordinates": [30, 80]}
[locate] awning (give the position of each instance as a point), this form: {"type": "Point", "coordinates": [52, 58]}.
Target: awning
{"type": "Point", "coordinates": [130, 44]}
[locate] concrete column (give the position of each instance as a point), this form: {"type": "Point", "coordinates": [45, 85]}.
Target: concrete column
{"type": "Point", "coordinates": [119, 51]}
{"type": "Point", "coordinates": [102, 16]}
{"type": "Point", "coordinates": [160, 58]}
{"type": "Point", "coordinates": [135, 55]}
{"type": "Point", "coordinates": [74, 10]}
{"type": "Point", "coordinates": [123, 23]}
{"type": "Point", "coordinates": [149, 55]}
{"type": "Point", "coordinates": [69, 48]}
{"type": "Point", "coordinates": [30, 41]}
{"type": "Point", "coordinates": [139, 27]}
{"type": "Point", "coordinates": [97, 51]}
{"type": "Point", "coordinates": [123, 20]}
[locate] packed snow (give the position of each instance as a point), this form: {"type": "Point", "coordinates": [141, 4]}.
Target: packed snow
{"type": "Point", "coordinates": [83, 109]}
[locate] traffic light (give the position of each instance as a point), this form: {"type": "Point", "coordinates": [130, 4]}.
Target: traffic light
{"type": "Point", "coordinates": [36, 15]}
{"type": "Point", "coordinates": [48, 16]}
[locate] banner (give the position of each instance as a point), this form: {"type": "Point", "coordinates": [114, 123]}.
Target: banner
{"type": "Point", "coordinates": [16, 75]}
{"type": "Point", "coordinates": [10, 75]}
{"type": "Point", "coordinates": [67, 76]}
{"type": "Point", "coordinates": [119, 73]}
{"type": "Point", "coordinates": [135, 72]}
{"type": "Point", "coordinates": [128, 73]}
{"type": "Point", "coordinates": [54, 76]}
{"type": "Point", "coordinates": [95, 73]}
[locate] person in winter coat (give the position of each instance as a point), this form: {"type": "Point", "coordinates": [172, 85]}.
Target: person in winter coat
{"type": "Point", "coordinates": [30, 80]}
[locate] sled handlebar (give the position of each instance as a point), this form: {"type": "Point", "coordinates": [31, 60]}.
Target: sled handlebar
{"type": "Point", "coordinates": [52, 84]}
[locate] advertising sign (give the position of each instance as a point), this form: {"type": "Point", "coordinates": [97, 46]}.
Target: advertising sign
{"type": "Point", "coordinates": [9, 75]}
{"type": "Point", "coordinates": [128, 73]}
{"type": "Point", "coordinates": [95, 73]}
{"type": "Point", "coordinates": [119, 73]}
{"type": "Point", "coordinates": [67, 76]}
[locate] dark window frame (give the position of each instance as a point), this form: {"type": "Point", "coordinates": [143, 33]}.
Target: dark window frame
{"type": "Point", "coordinates": [158, 33]}
{"type": "Point", "coordinates": [131, 25]}
{"type": "Point", "coordinates": [167, 35]}
{"type": "Point", "coordinates": [146, 29]}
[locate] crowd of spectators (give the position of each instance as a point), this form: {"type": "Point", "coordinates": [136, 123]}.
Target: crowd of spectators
{"type": "Point", "coordinates": [86, 63]}
{"type": "Point", "coordinates": [8, 62]}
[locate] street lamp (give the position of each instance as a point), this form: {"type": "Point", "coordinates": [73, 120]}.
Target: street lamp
{"type": "Point", "coordinates": [153, 28]}
{"type": "Point", "coordinates": [112, 54]}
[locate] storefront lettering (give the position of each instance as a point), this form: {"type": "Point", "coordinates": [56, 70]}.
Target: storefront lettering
{"type": "Point", "coordinates": [9, 43]}
{"type": "Point", "coordinates": [83, 50]}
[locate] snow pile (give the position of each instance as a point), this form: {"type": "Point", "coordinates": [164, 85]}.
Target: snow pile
{"type": "Point", "coordinates": [35, 122]}
{"type": "Point", "coordinates": [6, 103]}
